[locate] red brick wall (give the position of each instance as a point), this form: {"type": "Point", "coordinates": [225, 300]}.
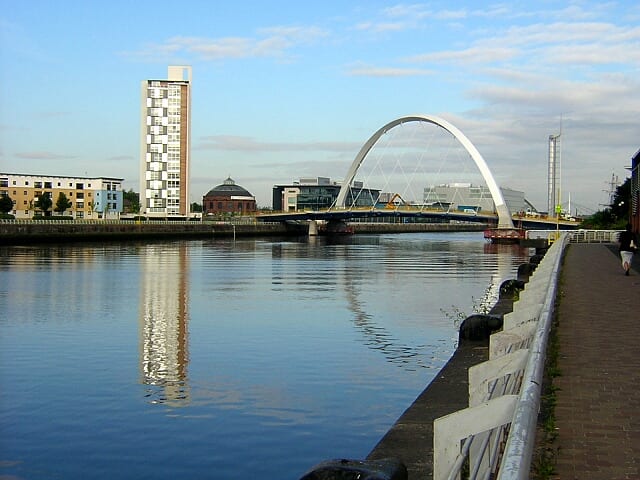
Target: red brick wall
{"type": "Point", "coordinates": [218, 204]}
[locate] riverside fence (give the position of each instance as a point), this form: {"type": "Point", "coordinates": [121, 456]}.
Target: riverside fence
{"type": "Point", "coordinates": [578, 236]}
{"type": "Point", "coordinates": [495, 435]}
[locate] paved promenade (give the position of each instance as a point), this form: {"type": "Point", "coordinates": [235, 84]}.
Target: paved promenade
{"type": "Point", "coordinates": [598, 402]}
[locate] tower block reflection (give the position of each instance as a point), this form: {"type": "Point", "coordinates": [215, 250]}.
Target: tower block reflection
{"type": "Point", "coordinates": [164, 353]}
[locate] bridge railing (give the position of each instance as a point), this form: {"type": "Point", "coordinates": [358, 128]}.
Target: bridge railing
{"type": "Point", "coordinates": [495, 436]}
{"type": "Point", "coordinates": [580, 236]}
{"type": "Point", "coordinates": [113, 221]}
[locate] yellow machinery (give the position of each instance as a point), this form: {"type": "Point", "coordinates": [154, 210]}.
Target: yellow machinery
{"type": "Point", "coordinates": [391, 203]}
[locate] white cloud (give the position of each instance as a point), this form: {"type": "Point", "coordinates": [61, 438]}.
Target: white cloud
{"type": "Point", "coordinates": [477, 55]}
{"type": "Point", "coordinates": [269, 42]}
{"type": "Point", "coordinates": [370, 71]}
{"type": "Point", "coordinates": [402, 10]}
{"type": "Point", "coordinates": [381, 27]}
{"type": "Point", "coordinates": [594, 54]}
{"type": "Point", "coordinates": [298, 35]}
{"type": "Point", "coordinates": [42, 155]}
{"type": "Point", "coordinates": [566, 32]}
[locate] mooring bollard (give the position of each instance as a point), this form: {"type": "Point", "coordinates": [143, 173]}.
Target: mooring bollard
{"type": "Point", "coordinates": [385, 469]}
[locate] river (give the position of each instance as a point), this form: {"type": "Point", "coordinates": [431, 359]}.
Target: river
{"type": "Point", "coordinates": [223, 359]}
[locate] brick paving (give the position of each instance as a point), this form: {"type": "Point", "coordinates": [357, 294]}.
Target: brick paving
{"type": "Point", "coordinates": [598, 401]}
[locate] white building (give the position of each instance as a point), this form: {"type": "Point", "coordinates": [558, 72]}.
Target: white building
{"type": "Point", "coordinates": [465, 196]}
{"type": "Point", "coordinates": [165, 145]}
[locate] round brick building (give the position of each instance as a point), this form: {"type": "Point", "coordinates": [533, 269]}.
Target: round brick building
{"type": "Point", "coordinates": [228, 198]}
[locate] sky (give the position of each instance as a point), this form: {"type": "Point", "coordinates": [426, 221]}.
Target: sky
{"type": "Point", "coordinates": [287, 89]}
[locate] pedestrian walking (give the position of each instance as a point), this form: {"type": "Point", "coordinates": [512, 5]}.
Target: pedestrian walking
{"type": "Point", "coordinates": [628, 246]}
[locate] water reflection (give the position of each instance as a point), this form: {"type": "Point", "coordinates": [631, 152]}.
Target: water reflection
{"type": "Point", "coordinates": [164, 313]}
{"type": "Point", "coordinates": [379, 338]}
{"type": "Point", "coordinates": [311, 347]}
{"type": "Point", "coordinates": [331, 270]}
{"type": "Point", "coordinates": [354, 268]}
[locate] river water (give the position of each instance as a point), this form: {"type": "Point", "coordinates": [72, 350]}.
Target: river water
{"type": "Point", "coordinates": [225, 359]}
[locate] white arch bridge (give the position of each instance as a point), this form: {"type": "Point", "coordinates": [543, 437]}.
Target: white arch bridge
{"type": "Point", "coordinates": [504, 216]}
{"type": "Point", "coordinates": [340, 211]}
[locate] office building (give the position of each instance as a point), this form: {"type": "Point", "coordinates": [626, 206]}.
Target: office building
{"type": "Point", "coordinates": [165, 146]}
{"type": "Point", "coordinates": [90, 197]}
{"type": "Point", "coordinates": [319, 193]}
{"type": "Point", "coordinates": [465, 196]}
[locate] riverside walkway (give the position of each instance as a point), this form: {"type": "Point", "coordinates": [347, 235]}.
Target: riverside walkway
{"type": "Point", "coordinates": [598, 398]}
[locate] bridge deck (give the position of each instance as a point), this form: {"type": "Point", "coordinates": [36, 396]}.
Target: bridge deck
{"type": "Point", "coordinates": [416, 213]}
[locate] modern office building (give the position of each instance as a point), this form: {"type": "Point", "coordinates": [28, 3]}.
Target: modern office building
{"type": "Point", "coordinates": [165, 145]}
{"type": "Point", "coordinates": [90, 197]}
{"type": "Point", "coordinates": [465, 196]}
{"type": "Point", "coordinates": [319, 193]}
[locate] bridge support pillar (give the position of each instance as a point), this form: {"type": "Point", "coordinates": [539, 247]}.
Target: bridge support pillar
{"type": "Point", "coordinates": [313, 228]}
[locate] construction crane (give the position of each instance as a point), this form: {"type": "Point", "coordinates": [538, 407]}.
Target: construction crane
{"type": "Point", "coordinates": [391, 203]}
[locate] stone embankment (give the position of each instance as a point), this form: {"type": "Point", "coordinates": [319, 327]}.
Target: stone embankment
{"type": "Point", "coordinates": [25, 232]}
{"type": "Point", "coordinates": [48, 232]}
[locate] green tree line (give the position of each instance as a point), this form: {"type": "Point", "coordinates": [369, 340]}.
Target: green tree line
{"type": "Point", "coordinates": [616, 215]}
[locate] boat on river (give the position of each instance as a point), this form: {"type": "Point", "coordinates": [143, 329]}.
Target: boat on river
{"type": "Point", "coordinates": [505, 235]}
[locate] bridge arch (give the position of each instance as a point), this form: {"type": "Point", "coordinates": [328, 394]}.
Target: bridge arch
{"type": "Point", "coordinates": [504, 216]}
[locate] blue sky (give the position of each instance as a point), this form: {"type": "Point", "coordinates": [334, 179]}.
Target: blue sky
{"type": "Point", "coordinates": [290, 89]}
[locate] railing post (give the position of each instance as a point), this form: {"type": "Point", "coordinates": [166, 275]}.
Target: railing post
{"type": "Point", "coordinates": [450, 430]}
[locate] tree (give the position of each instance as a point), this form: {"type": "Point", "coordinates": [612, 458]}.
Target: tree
{"type": "Point", "coordinates": [601, 220]}
{"type": "Point", "coordinates": [43, 203]}
{"type": "Point", "coordinates": [616, 215]}
{"type": "Point", "coordinates": [6, 204]}
{"type": "Point", "coordinates": [62, 204]}
{"type": "Point", "coordinates": [196, 207]}
{"type": "Point", "coordinates": [621, 206]}
{"type": "Point", "coordinates": [131, 201]}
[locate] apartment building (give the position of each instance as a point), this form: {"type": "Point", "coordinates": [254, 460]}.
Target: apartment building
{"type": "Point", "coordinates": [165, 146]}
{"type": "Point", "coordinates": [90, 197]}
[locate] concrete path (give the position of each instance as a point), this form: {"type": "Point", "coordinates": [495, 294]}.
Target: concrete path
{"type": "Point", "coordinates": [598, 401]}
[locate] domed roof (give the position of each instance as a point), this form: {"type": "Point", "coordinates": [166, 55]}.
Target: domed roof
{"type": "Point", "coordinates": [228, 187]}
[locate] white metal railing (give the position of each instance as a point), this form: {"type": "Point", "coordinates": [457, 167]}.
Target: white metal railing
{"type": "Point", "coordinates": [496, 433]}
{"type": "Point", "coordinates": [578, 236]}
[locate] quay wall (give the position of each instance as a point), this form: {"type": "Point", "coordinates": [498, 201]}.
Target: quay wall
{"type": "Point", "coordinates": [410, 439]}
{"type": "Point", "coordinates": [415, 227]}
{"type": "Point", "coordinates": [26, 232]}
{"type": "Point", "coordinates": [50, 232]}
